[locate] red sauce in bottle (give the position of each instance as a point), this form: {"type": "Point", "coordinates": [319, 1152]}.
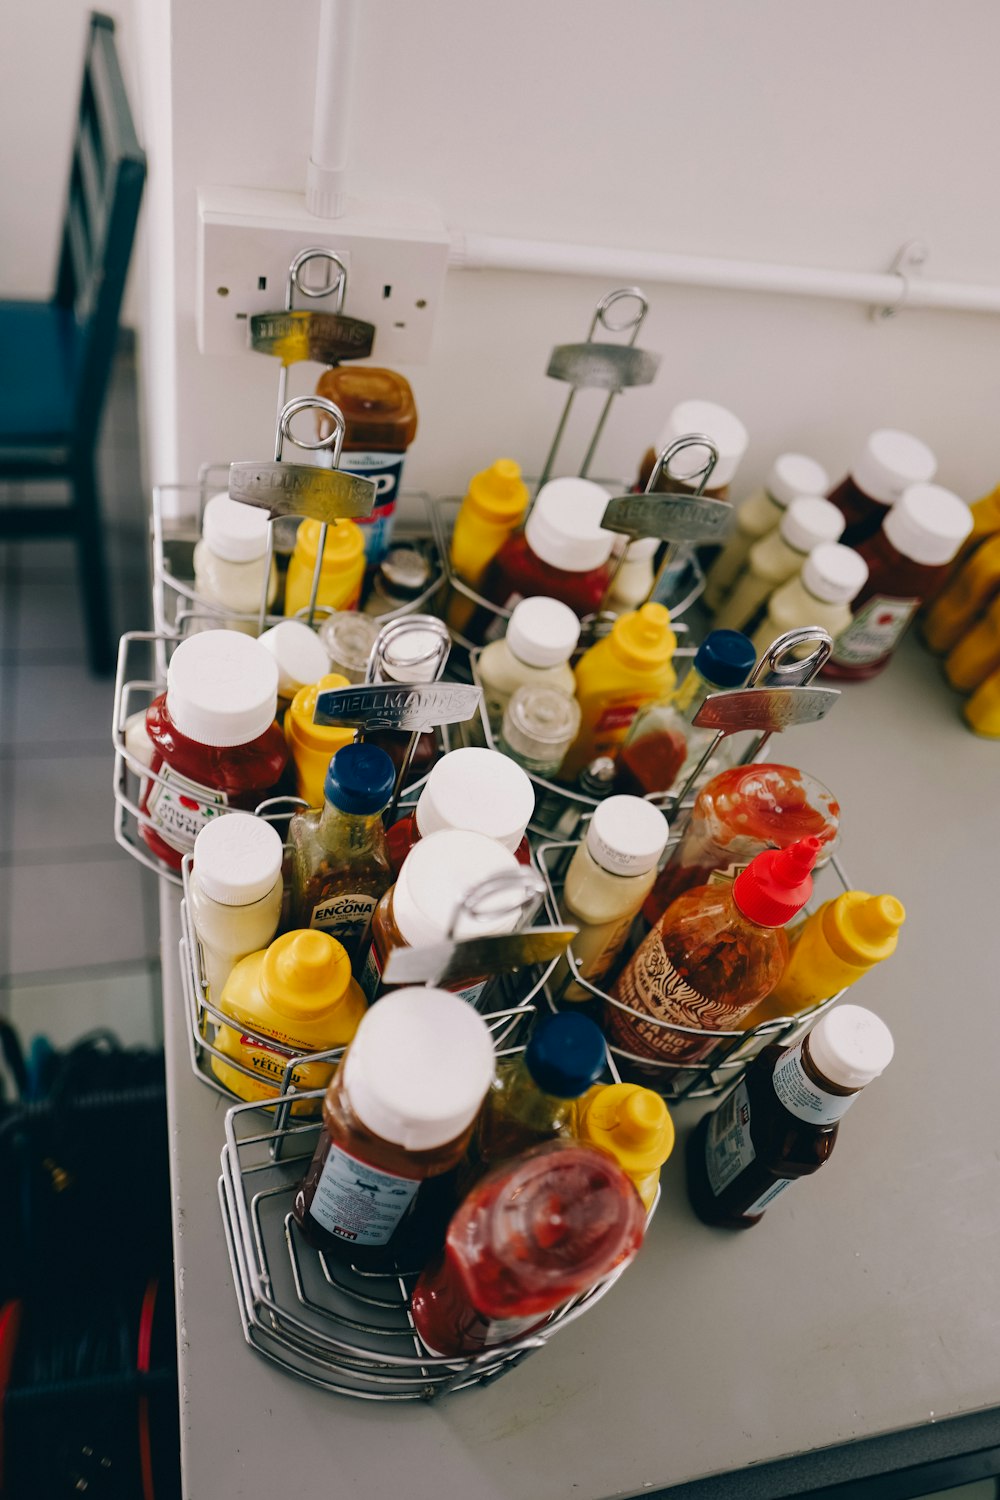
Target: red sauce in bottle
{"type": "Point", "coordinates": [888, 464]}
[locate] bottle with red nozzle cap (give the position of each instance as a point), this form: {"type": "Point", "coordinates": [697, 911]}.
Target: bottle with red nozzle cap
{"type": "Point", "coordinates": [711, 958]}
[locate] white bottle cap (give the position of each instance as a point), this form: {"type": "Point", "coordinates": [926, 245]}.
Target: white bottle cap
{"type": "Point", "coordinates": [564, 527]}
{"type": "Point", "coordinates": [627, 835]}
{"type": "Point", "coordinates": [543, 632]}
{"type": "Point", "coordinates": [222, 688]}
{"type": "Point", "coordinates": [480, 791]}
{"type": "Point", "coordinates": [418, 1068]}
{"type": "Point", "coordinates": [413, 657]}
{"type": "Point", "coordinates": [301, 656]}
{"type": "Point", "coordinates": [850, 1046]}
{"type": "Point", "coordinates": [928, 524]}
{"type": "Point", "coordinates": [794, 474]}
{"type": "Point", "coordinates": [234, 531]}
{"type": "Point", "coordinates": [237, 858]}
{"type": "Point", "coordinates": [889, 462]}
{"type": "Point", "coordinates": [726, 431]}
{"type": "Point", "coordinates": [435, 876]}
{"type": "Point", "coordinates": [810, 520]}
{"type": "Point", "coordinates": [834, 573]}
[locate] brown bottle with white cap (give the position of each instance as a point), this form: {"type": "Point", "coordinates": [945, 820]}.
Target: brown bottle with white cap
{"type": "Point", "coordinates": [908, 561]}
{"type": "Point", "coordinates": [808, 521]}
{"type": "Point", "coordinates": [781, 1122]}
{"type": "Point", "coordinates": [888, 464]}
{"type": "Point", "coordinates": [683, 471]}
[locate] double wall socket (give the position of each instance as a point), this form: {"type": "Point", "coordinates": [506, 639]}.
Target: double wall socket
{"type": "Point", "coordinates": [396, 254]}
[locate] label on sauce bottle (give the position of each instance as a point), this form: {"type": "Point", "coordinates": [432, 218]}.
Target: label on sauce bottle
{"type": "Point", "coordinates": [652, 984]}
{"type": "Point", "coordinates": [345, 916]}
{"type": "Point", "coordinates": [385, 470]}
{"type": "Point", "coordinates": [728, 1147]}
{"type": "Point", "coordinates": [874, 631]}
{"type": "Point", "coordinates": [801, 1096]}
{"type": "Point", "coordinates": [472, 992]}
{"type": "Point", "coordinates": [180, 808]}
{"type": "Point", "coordinates": [615, 717]}
{"type": "Point", "coordinates": [768, 1196]}
{"type": "Point", "coordinates": [370, 977]}
{"type": "Point", "coordinates": [358, 1203]}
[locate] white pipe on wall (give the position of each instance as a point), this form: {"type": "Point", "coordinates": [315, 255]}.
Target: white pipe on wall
{"type": "Point", "coordinates": [327, 171]}
{"type": "Point", "coordinates": [889, 290]}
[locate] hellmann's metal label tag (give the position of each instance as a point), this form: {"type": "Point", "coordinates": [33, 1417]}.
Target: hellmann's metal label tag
{"type": "Point", "coordinates": [765, 708]}
{"type": "Point", "coordinates": [322, 336]}
{"type": "Point", "coordinates": [392, 705]}
{"type": "Point", "coordinates": [284, 489]}
{"type": "Point", "coordinates": [672, 518]}
{"type": "Point", "coordinates": [604, 367]}
{"type": "Point", "coordinates": [449, 962]}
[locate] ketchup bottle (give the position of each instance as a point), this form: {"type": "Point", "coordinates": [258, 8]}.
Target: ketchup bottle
{"type": "Point", "coordinates": [887, 465]}
{"type": "Point", "coordinates": [475, 790]}
{"type": "Point", "coordinates": [533, 1233]}
{"type": "Point", "coordinates": [908, 561]}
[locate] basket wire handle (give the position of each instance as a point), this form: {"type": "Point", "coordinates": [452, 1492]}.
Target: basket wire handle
{"type": "Point", "coordinates": [633, 323]}
{"type": "Point", "coordinates": [524, 887]}
{"type": "Point", "coordinates": [435, 657]}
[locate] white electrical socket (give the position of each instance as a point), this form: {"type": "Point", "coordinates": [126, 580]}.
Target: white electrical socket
{"type": "Point", "coordinates": [396, 256]}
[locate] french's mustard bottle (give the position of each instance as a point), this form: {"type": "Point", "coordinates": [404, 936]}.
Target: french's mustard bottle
{"type": "Point", "coordinates": [634, 1126]}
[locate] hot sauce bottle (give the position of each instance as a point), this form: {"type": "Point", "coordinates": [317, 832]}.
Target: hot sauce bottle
{"type": "Point", "coordinates": [399, 1110]}
{"type": "Point", "coordinates": [888, 464]}
{"type": "Point", "coordinates": [215, 742]}
{"type": "Point", "coordinates": [711, 958]}
{"type": "Point", "coordinates": [533, 1233]}
{"type": "Point", "coordinates": [475, 790]}
{"type": "Point", "coordinates": [781, 1123]}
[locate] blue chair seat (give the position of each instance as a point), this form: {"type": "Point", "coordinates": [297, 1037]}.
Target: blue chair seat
{"type": "Point", "coordinates": [38, 352]}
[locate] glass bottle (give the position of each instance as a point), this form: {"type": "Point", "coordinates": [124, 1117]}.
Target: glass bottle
{"type": "Point", "coordinates": [907, 564]}
{"type": "Point", "coordinates": [215, 742]}
{"type": "Point", "coordinates": [780, 555]}
{"type": "Point", "coordinates": [532, 1097]}
{"type": "Point", "coordinates": [965, 597]}
{"type": "Point", "coordinates": [340, 862]}
{"type": "Point", "coordinates": [532, 1234]}
{"type": "Point", "coordinates": [235, 892]}
{"type": "Point", "coordinates": [420, 909]}
{"type": "Point", "coordinates": [349, 638]}
{"type": "Point", "coordinates": [398, 1111]}
{"type": "Point", "coordinates": [736, 815]}
{"type": "Point", "coordinates": [542, 635]}
{"type": "Point", "coordinates": [539, 725]}
{"type": "Point", "coordinates": [831, 578]}
{"type": "Point", "coordinates": [888, 464]}
{"type": "Point", "coordinates": [493, 507]}
{"type": "Point", "coordinates": [562, 553]}
{"type": "Point", "coordinates": [403, 575]}
{"type": "Point", "coordinates": [711, 958]}
{"type": "Point", "coordinates": [341, 574]}
{"type": "Point", "coordinates": [610, 875]}
{"type": "Point", "coordinates": [313, 745]}
{"type": "Point", "coordinates": [791, 475]}
{"type": "Point", "coordinates": [781, 1122]}
{"type": "Point", "coordinates": [976, 656]}
{"type": "Point", "coordinates": [480, 791]}
{"type": "Point", "coordinates": [663, 746]}
{"type": "Point", "coordinates": [301, 656]}
{"type": "Point", "coordinates": [381, 422]}
{"type": "Point", "coordinates": [229, 561]}
{"type": "Point", "coordinates": [615, 677]}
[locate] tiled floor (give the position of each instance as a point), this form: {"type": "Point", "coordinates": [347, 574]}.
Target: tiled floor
{"type": "Point", "coordinates": [78, 921]}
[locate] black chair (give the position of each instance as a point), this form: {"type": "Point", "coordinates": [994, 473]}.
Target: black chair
{"type": "Point", "coordinates": [56, 357]}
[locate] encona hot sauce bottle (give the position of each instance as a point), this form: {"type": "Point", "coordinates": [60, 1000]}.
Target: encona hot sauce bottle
{"type": "Point", "coordinates": [473, 789]}
{"type": "Point", "coordinates": [381, 422]}
{"type": "Point", "coordinates": [533, 1233]}
{"type": "Point", "coordinates": [215, 742]}
{"type": "Point", "coordinates": [907, 563]}
{"type": "Point", "coordinates": [399, 1110]}
{"type": "Point", "coordinates": [781, 1123]}
{"type": "Point", "coordinates": [711, 958]}
{"type": "Point", "coordinates": [889, 463]}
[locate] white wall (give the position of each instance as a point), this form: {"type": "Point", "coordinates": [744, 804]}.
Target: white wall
{"type": "Point", "coordinates": [784, 130]}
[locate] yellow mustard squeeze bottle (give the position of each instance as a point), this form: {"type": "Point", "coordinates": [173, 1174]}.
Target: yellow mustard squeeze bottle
{"type": "Point", "coordinates": [831, 949]}
{"type": "Point", "coordinates": [631, 666]}
{"type": "Point", "coordinates": [493, 507]}
{"type": "Point", "coordinates": [976, 655]}
{"type": "Point", "coordinates": [298, 993]}
{"type": "Point", "coordinates": [341, 574]}
{"type": "Point", "coordinates": [985, 521]}
{"type": "Point", "coordinates": [634, 1126]}
{"type": "Point", "coordinates": [313, 745]}
{"type": "Point", "coordinates": [965, 597]}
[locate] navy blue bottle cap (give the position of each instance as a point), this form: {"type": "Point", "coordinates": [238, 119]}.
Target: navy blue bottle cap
{"type": "Point", "coordinates": [725, 658]}
{"type": "Point", "coordinates": [565, 1055]}
{"type": "Point", "coordinates": [360, 779]}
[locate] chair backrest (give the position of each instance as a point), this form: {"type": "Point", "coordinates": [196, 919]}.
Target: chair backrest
{"type": "Point", "coordinates": [107, 173]}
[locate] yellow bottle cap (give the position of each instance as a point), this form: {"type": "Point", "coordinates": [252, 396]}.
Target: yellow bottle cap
{"type": "Point", "coordinates": [643, 639]}
{"type": "Point", "coordinates": [863, 929]}
{"type": "Point", "coordinates": [299, 726]}
{"type": "Point", "coordinates": [630, 1122]}
{"type": "Point", "coordinates": [305, 973]}
{"type": "Point", "coordinates": [345, 543]}
{"type": "Point", "coordinates": [499, 493]}
{"type": "Point", "coordinates": [983, 709]}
